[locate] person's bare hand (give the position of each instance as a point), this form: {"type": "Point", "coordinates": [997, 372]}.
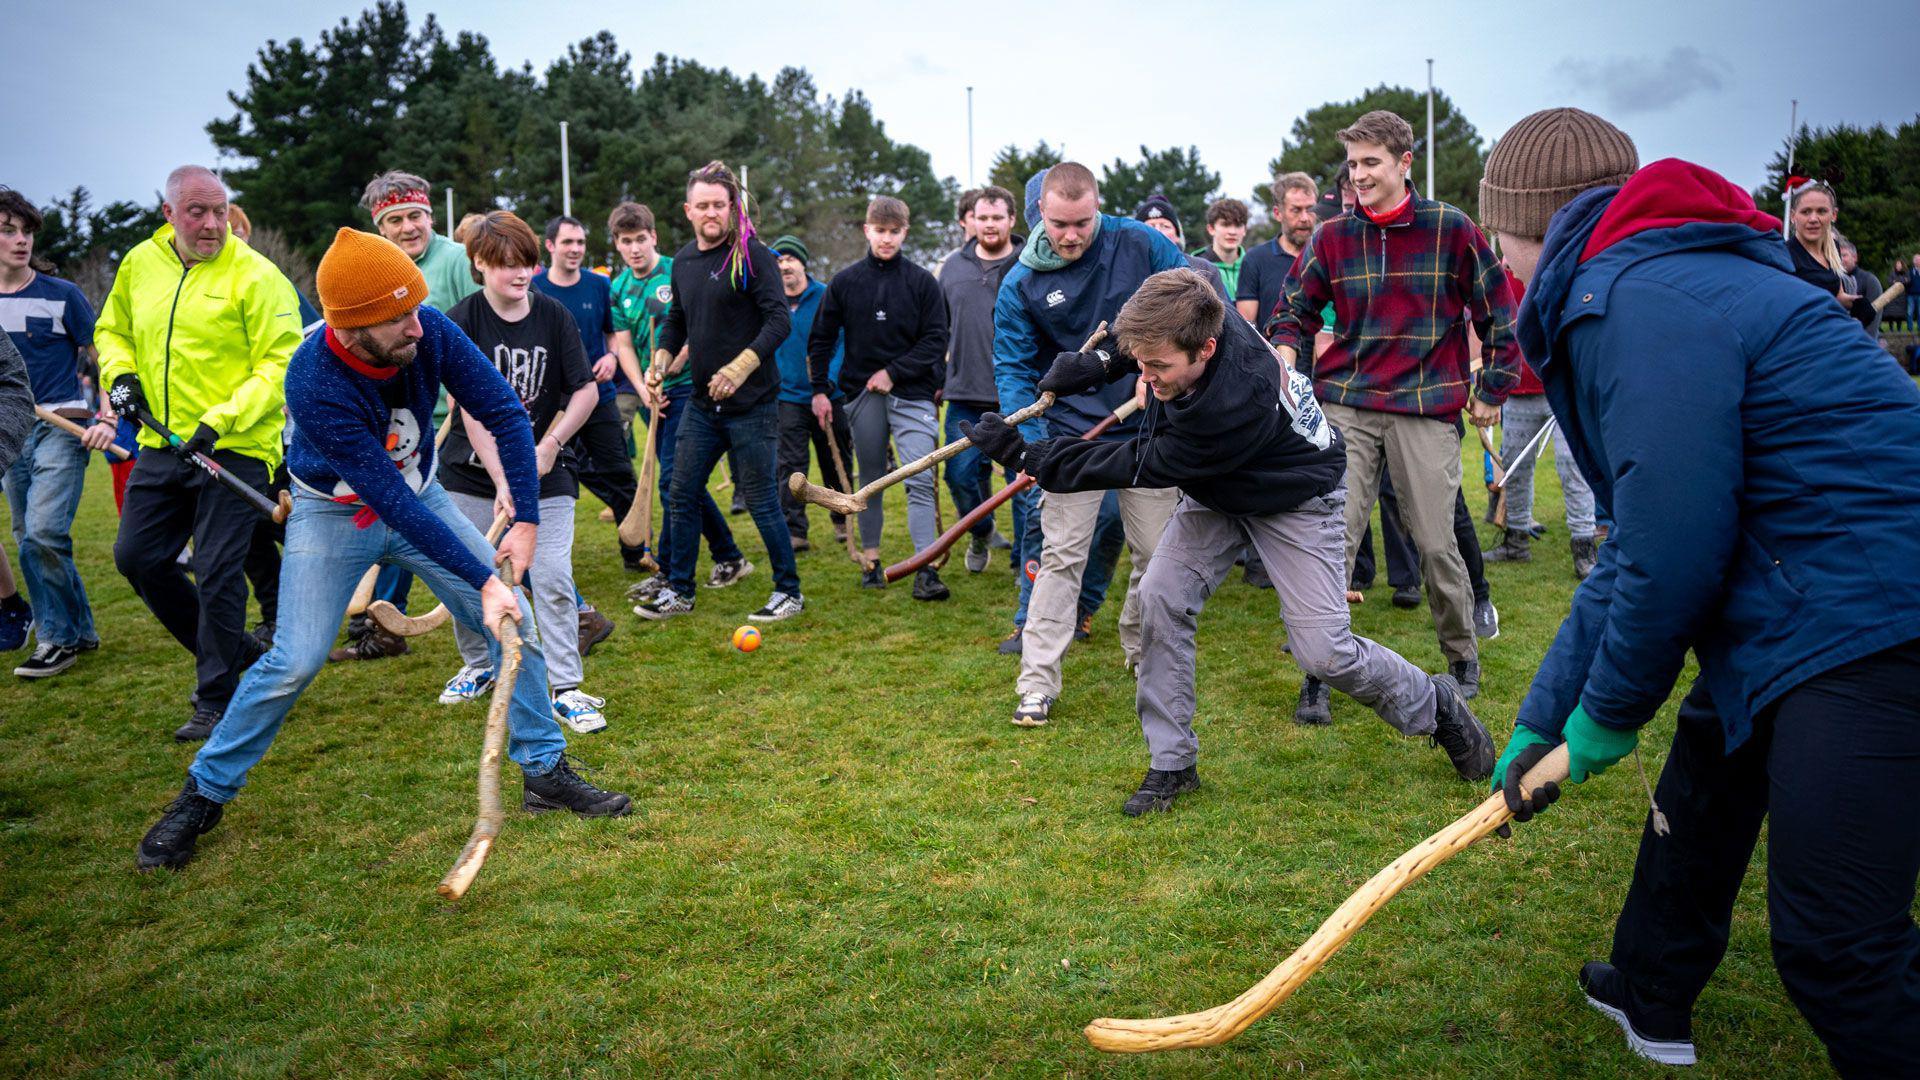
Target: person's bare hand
{"type": "Point", "coordinates": [720, 388]}
{"type": "Point", "coordinates": [503, 503]}
{"type": "Point", "coordinates": [497, 602]}
{"type": "Point", "coordinates": [517, 547]}
{"type": "Point", "coordinates": [1482, 414]}
{"type": "Point", "coordinates": [604, 368]}
{"type": "Point", "coordinates": [99, 435]}
{"type": "Point", "coordinates": [880, 382]}
{"type": "Point", "coordinates": [1846, 298]}
{"type": "Point", "coordinates": [823, 411]}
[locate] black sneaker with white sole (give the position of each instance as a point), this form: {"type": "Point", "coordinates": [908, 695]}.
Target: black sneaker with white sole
{"type": "Point", "coordinates": [1314, 709]}
{"type": "Point", "coordinates": [171, 841]}
{"type": "Point", "coordinates": [665, 604]}
{"type": "Point", "coordinates": [727, 572]}
{"type": "Point", "coordinates": [780, 606]}
{"type": "Point", "coordinates": [47, 660]}
{"type": "Point", "coordinates": [1460, 733]}
{"type": "Point", "coordinates": [560, 788]}
{"type": "Point", "coordinates": [1159, 789]}
{"type": "Point", "coordinates": [1655, 1034]}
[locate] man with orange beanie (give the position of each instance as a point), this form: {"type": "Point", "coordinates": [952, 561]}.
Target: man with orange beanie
{"type": "Point", "coordinates": [361, 395]}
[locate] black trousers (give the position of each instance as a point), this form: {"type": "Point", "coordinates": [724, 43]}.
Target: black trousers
{"type": "Point", "coordinates": [798, 431]}
{"type": "Point", "coordinates": [1403, 559]}
{"type": "Point", "coordinates": [1835, 764]}
{"type": "Point", "coordinates": [167, 503]}
{"type": "Point", "coordinates": [606, 467]}
{"type": "Point", "coordinates": [263, 554]}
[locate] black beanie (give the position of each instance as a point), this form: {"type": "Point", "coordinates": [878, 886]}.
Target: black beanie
{"type": "Point", "coordinates": [1158, 206]}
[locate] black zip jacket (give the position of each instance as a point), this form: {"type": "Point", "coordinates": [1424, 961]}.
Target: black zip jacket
{"type": "Point", "coordinates": [1248, 440]}
{"type": "Point", "coordinates": [895, 317]}
{"type": "Point", "coordinates": [715, 319]}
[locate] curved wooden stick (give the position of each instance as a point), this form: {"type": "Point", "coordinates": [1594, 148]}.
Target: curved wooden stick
{"type": "Point", "coordinates": [852, 526]}
{"type": "Point", "coordinates": [918, 559]}
{"type": "Point", "coordinates": [363, 592]}
{"type": "Point", "coordinates": [486, 826]}
{"type": "Point", "coordinates": [1223, 1022]}
{"type": "Point", "coordinates": [807, 491]}
{"type": "Point", "coordinates": [636, 529]}
{"type": "Point", "coordinates": [75, 430]}
{"type": "Point", "coordinates": [396, 622]}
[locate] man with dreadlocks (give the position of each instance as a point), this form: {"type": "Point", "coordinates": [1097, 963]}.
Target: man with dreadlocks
{"type": "Point", "coordinates": [730, 312]}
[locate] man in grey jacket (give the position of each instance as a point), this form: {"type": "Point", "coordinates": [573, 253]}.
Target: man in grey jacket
{"type": "Point", "coordinates": [970, 279]}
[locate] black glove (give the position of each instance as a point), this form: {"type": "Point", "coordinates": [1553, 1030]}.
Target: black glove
{"type": "Point", "coordinates": [1524, 809]}
{"type": "Point", "coordinates": [996, 439]}
{"type": "Point", "coordinates": [203, 439]}
{"type": "Point", "coordinates": [126, 397]}
{"type": "Point", "coordinates": [1073, 372]}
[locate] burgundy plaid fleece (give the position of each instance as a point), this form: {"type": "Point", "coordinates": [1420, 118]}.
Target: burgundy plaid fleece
{"type": "Point", "coordinates": [1398, 292]}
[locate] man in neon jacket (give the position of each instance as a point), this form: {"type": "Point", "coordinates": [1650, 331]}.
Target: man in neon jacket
{"type": "Point", "coordinates": [199, 327]}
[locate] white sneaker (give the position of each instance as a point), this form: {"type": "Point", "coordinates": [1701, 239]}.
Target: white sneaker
{"type": "Point", "coordinates": [468, 683]}
{"type": "Point", "coordinates": [780, 606]}
{"type": "Point", "coordinates": [1032, 710]}
{"type": "Point", "coordinates": [579, 711]}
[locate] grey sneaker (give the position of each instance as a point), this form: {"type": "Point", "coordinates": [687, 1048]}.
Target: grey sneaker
{"type": "Point", "coordinates": [1486, 620]}
{"type": "Point", "coordinates": [728, 572]}
{"type": "Point", "coordinates": [1032, 710]}
{"type": "Point", "coordinates": [1314, 709]}
{"type": "Point", "coordinates": [979, 550]}
{"type": "Point", "coordinates": [1467, 674]}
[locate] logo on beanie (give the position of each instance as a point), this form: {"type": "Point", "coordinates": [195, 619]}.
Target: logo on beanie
{"type": "Point", "coordinates": [400, 293]}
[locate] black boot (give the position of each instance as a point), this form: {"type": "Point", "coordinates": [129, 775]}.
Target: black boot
{"type": "Point", "coordinates": [1159, 789]}
{"type": "Point", "coordinates": [1467, 674]}
{"type": "Point", "coordinates": [199, 727]}
{"type": "Point", "coordinates": [1314, 709]}
{"type": "Point", "coordinates": [170, 842]}
{"type": "Point", "coordinates": [873, 577]}
{"type": "Point", "coordinates": [1515, 546]}
{"type": "Point", "coordinates": [1406, 597]}
{"type": "Point", "coordinates": [1460, 733]}
{"type": "Point", "coordinates": [1585, 555]}
{"type": "Point", "coordinates": [562, 789]}
{"type": "Point", "coordinates": [928, 586]}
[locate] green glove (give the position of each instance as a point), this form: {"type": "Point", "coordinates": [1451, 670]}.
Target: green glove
{"type": "Point", "coordinates": [1592, 746]}
{"type": "Point", "coordinates": [1523, 737]}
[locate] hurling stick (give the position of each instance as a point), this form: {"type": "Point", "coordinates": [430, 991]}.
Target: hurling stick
{"type": "Point", "coordinates": [486, 825]}
{"type": "Point", "coordinates": [1223, 1022]}
{"type": "Point", "coordinates": [74, 429]}
{"type": "Point", "coordinates": [1499, 484]}
{"type": "Point", "coordinates": [400, 624]}
{"type": "Point", "coordinates": [636, 529]}
{"type": "Point", "coordinates": [1894, 292]}
{"type": "Point", "coordinates": [856, 502]}
{"type": "Point", "coordinates": [363, 592]}
{"type": "Point", "coordinates": [852, 526]}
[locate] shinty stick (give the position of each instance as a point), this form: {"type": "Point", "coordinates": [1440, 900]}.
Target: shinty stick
{"type": "Point", "coordinates": [636, 529]}
{"type": "Point", "coordinates": [486, 825]}
{"type": "Point", "coordinates": [1894, 292]}
{"type": "Point", "coordinates": [853, 504]}
{"type": "Point", "coordinates": [396, 622]}
{"type": "Point", "coordinates": [852, 525]}
{"type": "Point", "coordinates": [1223, 1022]}
{"type": "Point", "coordinates": [74, 429]}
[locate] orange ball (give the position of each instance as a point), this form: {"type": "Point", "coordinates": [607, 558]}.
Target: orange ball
{"type": "Point", "coordinates": [747, 638]}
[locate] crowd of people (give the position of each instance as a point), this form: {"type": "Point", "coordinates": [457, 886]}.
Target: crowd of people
{"type": "Point", "coordinates": [1732, 444]}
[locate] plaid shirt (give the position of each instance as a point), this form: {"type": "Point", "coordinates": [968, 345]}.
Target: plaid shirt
{"type": "Point", "coordinates": [1399, 291]}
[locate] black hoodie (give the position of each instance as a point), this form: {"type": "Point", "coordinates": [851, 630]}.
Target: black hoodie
{"type": "Point", "coordinates": [1247, 440]}
{"type": "Point", "coordinates": [895, 317]}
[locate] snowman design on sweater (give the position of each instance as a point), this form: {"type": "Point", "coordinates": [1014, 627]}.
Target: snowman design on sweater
{"type": "Point", "coordinates": [403, 443]}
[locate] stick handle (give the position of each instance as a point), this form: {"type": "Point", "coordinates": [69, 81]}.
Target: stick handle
{"type": "Point", "coordinates": [74, 429]}
{"type": "Point", "coordinates": [1894, 292]}
{"type": "Point", "coordinates": [491, 815]}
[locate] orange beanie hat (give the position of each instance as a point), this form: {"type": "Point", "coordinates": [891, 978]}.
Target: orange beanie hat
{"type": "Point", "coordinates": [365, 278]}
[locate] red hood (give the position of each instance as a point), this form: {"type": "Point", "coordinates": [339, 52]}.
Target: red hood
{"type": "Point", "coordinates": [1668, 194]}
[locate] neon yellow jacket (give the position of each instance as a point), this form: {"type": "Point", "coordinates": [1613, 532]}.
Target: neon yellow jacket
{"type": "Point", "coordinates": [209, 342]}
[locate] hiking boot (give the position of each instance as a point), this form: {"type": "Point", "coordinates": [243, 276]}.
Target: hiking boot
{"type": "Point", "coordinates": [16, 621]}
{"type": "Point", "coordinates": [727, 572]}
{"type": "Point", "coordinates": [1661, 1035]}
{"type": "Point", "coordinates": [739, 504]}
{"type": "Point", "coordinates": [469, 683]}
{"type": "Point", "coordinates": [1515, 545]}
{"type": "Point", "coordinates": [579, 711]}
{"type": "Point", "coordinates": [1159, 789]}
{"type": "Point", "coordinates": [1032, 710]}
{"type": "Point", "coordinates": [928, 586]}
{"type": "Point", "coordinates": [199, 726]}
{"type": "Point", "coordinates": [665, 605]}
{"type": "Point", "coordinates": [377, 644]}
{"type": "Point", "coordinates": [1467, 674]}
{"type": "Point", "coordinates": [1009, 645]}
{"type": "Point", "coordinates": [799, 543]}
{"type": "Point", "coordinates": [1406, 597]}
{"type": "Point", "coordinates": [1256, 576]}
{"type": "Point", "coordinates": [646, 588]}
{"type": "Point", "coordinates": [1460, 733]}
{"type": "Point", "coordinates": [873, 577]}
{"type": "Point", "coordinates": [780, 606]}
{"type": "Point", "coordinates": [1083, 630]}
{"type": "Point", "coordinates": [594, 628]}
{"type": "Point", "coordinates": [47, 660]}
{"type": "Point", "coordinates": [979, 550]}
{"type": "Point", "coordinates": [1486, 620]}
{"type": "Point", "coordinates": [1586, 555]}
{"type": "Point", "coordinates": [560, 788]}
{"type": "Point", "coordinates": [1314, 709]}
{"type": "Point", "coordinates": [187, 818]}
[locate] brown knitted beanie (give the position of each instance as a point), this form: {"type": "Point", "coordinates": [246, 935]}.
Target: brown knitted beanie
{"type": "Point", "coordinates": [1544, 161]}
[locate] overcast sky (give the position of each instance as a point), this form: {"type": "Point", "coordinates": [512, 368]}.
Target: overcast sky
{"type": "Point", "coordinates": [112, 95]}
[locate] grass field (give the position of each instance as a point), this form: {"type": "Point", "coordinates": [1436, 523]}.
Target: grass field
{"type": "Point", "coordinates": [842, 861]}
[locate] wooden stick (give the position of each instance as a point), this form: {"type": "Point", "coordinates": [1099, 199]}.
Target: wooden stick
{"type": "Point", "coordinates": [853, 504]}
{"type": "Point", "coordinates": [1223, 1022]}
{"type": "Point", "coordinates": [363, 592]}
{"type": "Point", "coordinates": [1894, 292]}
{"type": "Point", "coordinates": [636, 529]}
{"type": "Point", "coordinates": [486, 825]}
{"type": "Point", "coordinates": [918, 559]}
{"type": "Point", "coordinates": [74, 429]}
{"type": "Point", "coordinates": [396, 622]}
{"type": "Point", "coordinates": [1498, 488]}
{"type": "Point", "coordinates": [853, 526]}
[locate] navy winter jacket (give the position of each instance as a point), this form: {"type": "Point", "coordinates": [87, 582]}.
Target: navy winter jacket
{"type": "Point", "coordinates": [1753, 449]}
{"type": "Point", "coordinates": [1043, 312]}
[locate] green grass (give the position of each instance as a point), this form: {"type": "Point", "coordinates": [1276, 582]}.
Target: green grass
{"type": "Point", "coordinates": [842, 860]}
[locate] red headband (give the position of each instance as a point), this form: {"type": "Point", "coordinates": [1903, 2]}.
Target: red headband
{"type": "Point", "coordinates": [409, 197]}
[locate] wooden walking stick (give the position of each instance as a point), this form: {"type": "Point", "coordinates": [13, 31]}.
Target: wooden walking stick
{"type": "Point", "coordinates": [1223, 1022]}
{"type": "Point", "coordinates": [486, 826]}
{"type": "Point", "coordinates": [363, 592]}
{"type": "Point", "coordinates": [399, 623]}
{"type": "Point", "coordinates": [856, 502]}
{"type": "Point", "coordinates": [636, 529]}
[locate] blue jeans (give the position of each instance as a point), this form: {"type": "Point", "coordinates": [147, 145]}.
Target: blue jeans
{"type": "Point", "coordinates": [326, 555]}
{"type": "Point", "coordinates": [747, 439]}
{"type": "Point", "coordinates": [713, 524]}
{"type": "Point", "coordinates": [1108, 541]}
{"type": "Point", "coordinates": [43, 491]}
{"type": "Point", "coordinates": [969, 473]}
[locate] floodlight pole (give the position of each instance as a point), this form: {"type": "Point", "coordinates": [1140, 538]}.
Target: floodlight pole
{"type": "Point", "coordinates": [1430, 148]}
{"type": "Point", "coordinates": [566, 183]}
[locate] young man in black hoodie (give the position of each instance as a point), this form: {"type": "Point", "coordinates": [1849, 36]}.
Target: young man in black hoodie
{"type": "Point", "coordinates": [895, 320]}
{"type": "Point", "coordinates": [1256, 462]}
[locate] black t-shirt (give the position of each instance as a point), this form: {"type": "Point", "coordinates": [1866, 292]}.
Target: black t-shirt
{"type": "Point", "coordinates": [1263, 277]}
{"type": "Point", "coordinates": [542, 360]}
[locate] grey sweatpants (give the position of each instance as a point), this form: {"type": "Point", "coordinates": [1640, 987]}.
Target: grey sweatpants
{"type": "Point", "coordinates": [549, 583]}
{"type": "Point", "coordinates": [911, 424]}
{"type": "Point", "coordinates": [1304, 551]}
